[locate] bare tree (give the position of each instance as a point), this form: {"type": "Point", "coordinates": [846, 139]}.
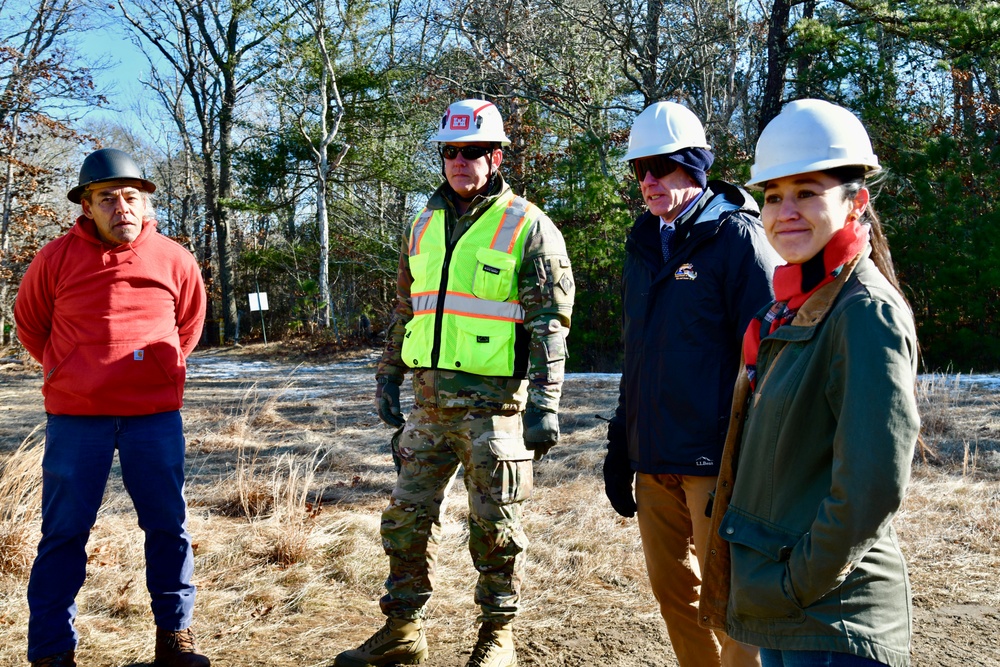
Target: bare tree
{"type": "Point", "coordinates": [595, 62]}
{"type": "Point", "coordinates": [42, 89]}
{"type": "Point", "coordinates": [327, 107]}
{"type": "Point", "coordinates": [210, 45]}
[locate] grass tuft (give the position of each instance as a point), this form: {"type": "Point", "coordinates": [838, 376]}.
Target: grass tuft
{"type": "Point", "coordinates": [286, 531]}
{"type": "Point", "coordinates": [20, 503]}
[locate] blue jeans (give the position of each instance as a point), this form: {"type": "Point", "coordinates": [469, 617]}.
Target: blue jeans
{"type": "Point", "coordinates": [78, 455]}
{"type": "Point", "coordinates": [772, 658]}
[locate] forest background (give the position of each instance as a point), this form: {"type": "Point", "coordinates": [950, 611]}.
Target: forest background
{"type": "Point", "coordinates": [289, 138]}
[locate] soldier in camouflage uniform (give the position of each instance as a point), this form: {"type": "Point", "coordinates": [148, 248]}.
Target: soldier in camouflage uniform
{"type": "Point", "coordinates": [485, 294]}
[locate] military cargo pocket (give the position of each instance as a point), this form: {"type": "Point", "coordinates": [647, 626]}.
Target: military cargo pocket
{"type": "Point", "coordinates": [494, 276]}
{"type": "Point", "coordinates": [512, 475]}
{"type": "Point", "coordinates": [512, 482]}
{"type": "Point", "coordinates": [760, 586]}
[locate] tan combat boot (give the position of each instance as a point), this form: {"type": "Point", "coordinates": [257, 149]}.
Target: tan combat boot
{"type": "Point", "coordinates": [401, 641]}
{"type": "Point", "coordinates": [495, 646]}
{"type": "Point", "coordinates": [175, 648]}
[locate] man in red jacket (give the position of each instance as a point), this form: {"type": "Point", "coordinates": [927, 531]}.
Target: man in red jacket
{"type": "Point", "coordinates": [111, 309]}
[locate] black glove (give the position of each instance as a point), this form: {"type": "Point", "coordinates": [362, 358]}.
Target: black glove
{"type": "Point", "coordinates": [387, 400]}
{"type": "Point", "coordinates": [397, 461]}
{"type": "Point", "coordinates": [541, 431]}
{"type": "Point", "coordinates": [618, 473]}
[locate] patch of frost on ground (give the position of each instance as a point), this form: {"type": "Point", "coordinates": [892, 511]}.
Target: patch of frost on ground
{"type": "Point", "coordinates": [323, 380]}
{"type": "Point", "coordinates": [359, 372]}
{"type": "Point", "coordinates": [988, 381]}
{"type": "Point", "coordinates": [352, 371]}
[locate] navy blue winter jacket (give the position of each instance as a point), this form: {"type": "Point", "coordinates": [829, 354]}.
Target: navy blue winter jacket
{"type": "Point", "coordinates": [683, 327]}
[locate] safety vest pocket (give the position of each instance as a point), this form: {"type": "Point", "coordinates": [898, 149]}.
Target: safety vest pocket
{"type": "Point", "coordinates": [417, 341]}
{"type": "Point", "coordinates": [481, 346]}
{"type": "Point", "coordinates": [494, 276]}
{"type": "Point", "coordinates": [422, 268]}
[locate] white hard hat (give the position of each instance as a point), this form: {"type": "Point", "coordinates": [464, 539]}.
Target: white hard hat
{"type": "Point", "coordinates": [811, 135]}
{"type": "Point", "coordinates": [471, 120]}
{"type": "Point", "coordinates": [664, 128]}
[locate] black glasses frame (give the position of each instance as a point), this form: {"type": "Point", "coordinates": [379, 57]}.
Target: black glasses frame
{"type": "Point", "coordinates": [657, 165]}
{"type": "Point", "coordinates": [468, 152]}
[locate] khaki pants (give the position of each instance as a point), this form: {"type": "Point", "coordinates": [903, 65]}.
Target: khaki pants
{"type": "Point", "coordinates": [674, 530]}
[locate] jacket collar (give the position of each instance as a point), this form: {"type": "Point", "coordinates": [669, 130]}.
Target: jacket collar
{"type": "Point", "coordinates": [442, 198]}
{"type": "Point", "coordinates": [701, 221]}
{"type": "Point", "coordinates": [718, 198]}
{"type": "Point", "coordinates": [818, 306]}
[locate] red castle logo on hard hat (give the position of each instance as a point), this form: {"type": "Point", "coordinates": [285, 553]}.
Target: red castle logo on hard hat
{"type": "Point", "coordinates": [459, 122]}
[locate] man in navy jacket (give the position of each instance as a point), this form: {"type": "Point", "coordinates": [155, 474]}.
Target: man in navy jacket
{"type": "Point", "coordinates": [697, 269]}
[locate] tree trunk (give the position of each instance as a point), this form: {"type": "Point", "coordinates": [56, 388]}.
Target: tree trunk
{"type": "Point", "coordinates": [651, 52]}
{"type": "Point", "coordinates": [804, 63]}
{"type": "Point", "coordinates": [329, 127]}
{"type": "Point", "coordinates": [324, 244]}
{"type": "Point", "coordinates": [777, 62]}
{"type": "Point", "coordinates": [208, 177]}
{"type": "Point", "coordinates": [322, 173]}
{"type": "Point", "coordinates": [220, 211]}
{"type": "Point", "coordinates": [8, 200]}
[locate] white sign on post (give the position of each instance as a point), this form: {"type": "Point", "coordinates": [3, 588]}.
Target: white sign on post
{"type": "Point", "coordinates": [258, 301]}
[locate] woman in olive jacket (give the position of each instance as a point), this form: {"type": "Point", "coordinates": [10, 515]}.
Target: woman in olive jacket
{"type": "Point", "coordinates": [804, 561]}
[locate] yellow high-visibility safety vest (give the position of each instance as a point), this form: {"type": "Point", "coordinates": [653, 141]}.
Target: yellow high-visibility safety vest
{"type": "Point", "coordinates": [466, 319]}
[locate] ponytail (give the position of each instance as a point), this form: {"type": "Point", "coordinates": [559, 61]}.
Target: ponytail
{"type": "Point", "coordinates": [853, 179]}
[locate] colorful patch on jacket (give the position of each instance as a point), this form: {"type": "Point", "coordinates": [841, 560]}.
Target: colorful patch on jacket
{"type": "Point", "coordinates": [685, 272]}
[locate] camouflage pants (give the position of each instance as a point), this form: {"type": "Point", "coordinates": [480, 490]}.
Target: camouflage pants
{"type": "Point", "coordinates": [497, 477]}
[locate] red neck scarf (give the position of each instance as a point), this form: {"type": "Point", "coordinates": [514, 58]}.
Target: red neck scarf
{"type": "Point", "coordinates": [795, 283]}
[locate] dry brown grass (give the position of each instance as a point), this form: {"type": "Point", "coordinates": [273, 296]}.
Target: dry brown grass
{"type": "Point", "coordinates": [285, 494]}
{"type": "Point", "coordinates": [950, 522]}
{"type": "Point", "coordinates": [20, 504]}
{"type": "Point", "coordinates": [960, 424]}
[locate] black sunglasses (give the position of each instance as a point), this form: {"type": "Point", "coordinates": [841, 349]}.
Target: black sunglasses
{"type": "Point", "coordinates": [658, 165]}
{"type": "Point", "coordinates": [468, 152]}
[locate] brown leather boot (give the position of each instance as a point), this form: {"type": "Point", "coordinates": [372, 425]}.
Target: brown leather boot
{"type": "Point", "coordinates": [495, 646]}
{"type": "Point", "coordinates": [64, 659]}
{"type": "Point", "coordinates": [176, 649]}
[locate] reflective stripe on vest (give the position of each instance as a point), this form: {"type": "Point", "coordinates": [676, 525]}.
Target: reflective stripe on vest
{"type": "Point", "coordinates": [462, 304]}
{"type": "Point", "coordinates": [468, 316]}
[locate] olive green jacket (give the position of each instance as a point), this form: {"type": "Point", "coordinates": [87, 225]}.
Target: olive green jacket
{"type": "Point", "coordinates": [804, 555]}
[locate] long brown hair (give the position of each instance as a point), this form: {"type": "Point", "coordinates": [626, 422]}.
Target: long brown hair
{"type": "Point", "coordinates": [853, 179]}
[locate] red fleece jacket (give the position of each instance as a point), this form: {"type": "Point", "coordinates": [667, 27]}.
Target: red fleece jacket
{"type": "Point", "coordinates": [111, 325]}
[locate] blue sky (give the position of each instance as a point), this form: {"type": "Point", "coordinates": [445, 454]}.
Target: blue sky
{"type": "Point", "coordinates": [126, 65]}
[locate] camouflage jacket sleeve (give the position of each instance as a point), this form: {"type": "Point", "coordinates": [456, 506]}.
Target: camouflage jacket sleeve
{"type": "Point", "coordinates": [546, 290]}
{"type": "Point", "coordinates": [391, 365]}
